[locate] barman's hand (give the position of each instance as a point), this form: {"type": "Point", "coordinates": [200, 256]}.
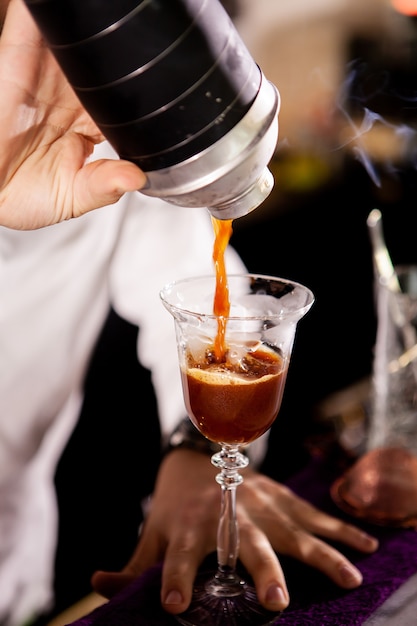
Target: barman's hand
{"type": "Point", "coordinates": [46, 137]}
{"type": "Point", "coordinates": [182, 523]}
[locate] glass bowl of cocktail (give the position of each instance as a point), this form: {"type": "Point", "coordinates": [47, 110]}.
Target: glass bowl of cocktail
{"type": "Point", "coordinates": [233, 372]}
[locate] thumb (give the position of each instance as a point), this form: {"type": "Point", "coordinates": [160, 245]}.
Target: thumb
{"type": "Point", "coordinates": [104, 182]}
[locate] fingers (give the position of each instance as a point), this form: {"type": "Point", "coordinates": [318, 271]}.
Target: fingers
{"type": "Point", "coordinates": [183, 557]}
{"type": "Point", "coordinates": [337, 530]}
{"type": "Point", "coordinates": [149, 551]}
{"type": "Point", "coordinates": [20, 26]}
{"type": "Point", "coordinates": [178, 575]}
{"type": "Point", "coordinates": [179, 572]}
{"type": "Point", "coordinates": [104, 182]}
{"type": "Point", "coordinates": [298, 542]}
{"type": "Point", "coordinates": [319, 523]}
{"type": "Point", "coordinates": [296, 528]}
{"type": "Point", "coordinates": [108, 584]}
{"type": "Point", "coordinates": [261, 562]}
{"type": "Point", "coordinates": [272, 519]}
{"type": "Point", "coordinates": [325, 558]}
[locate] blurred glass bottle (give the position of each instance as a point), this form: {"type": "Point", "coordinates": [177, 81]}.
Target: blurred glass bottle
{"type": "Point", "coordinates": [174, 89]}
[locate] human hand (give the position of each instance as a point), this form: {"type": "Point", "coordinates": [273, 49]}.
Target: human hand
{"type": "Point", "coordinates": [46, 137]}
{"type": "Point", "coordinates": [181, 530]}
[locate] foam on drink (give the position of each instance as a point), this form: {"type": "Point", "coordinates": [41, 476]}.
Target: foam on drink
{"type": "Point", "coordinates": [234, 402]}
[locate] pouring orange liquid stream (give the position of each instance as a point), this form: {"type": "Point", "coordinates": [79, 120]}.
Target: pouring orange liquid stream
{"type": "Point", "coordinates": [221, 306]}
{"type": "Point", "coordinates": [255, 386]}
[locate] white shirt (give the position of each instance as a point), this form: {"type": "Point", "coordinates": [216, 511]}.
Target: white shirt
{"type": "Point", "coordinates": [56, 285]}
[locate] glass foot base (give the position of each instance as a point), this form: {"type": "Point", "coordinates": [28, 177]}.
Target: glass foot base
{"type": "Point", "coordinates": [215, 610]}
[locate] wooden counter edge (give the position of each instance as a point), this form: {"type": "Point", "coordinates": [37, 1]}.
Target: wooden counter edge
{"type": "Point", "coordinates": [78, 610]}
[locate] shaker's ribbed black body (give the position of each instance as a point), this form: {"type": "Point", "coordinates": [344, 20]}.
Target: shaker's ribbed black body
{"type": "Point", "coordinates": [163, 79]}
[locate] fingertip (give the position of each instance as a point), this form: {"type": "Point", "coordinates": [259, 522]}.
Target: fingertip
{"type": "Point", "coordinates": [179, 576]}
{"type": "Point", "coordinates": [276, 598]}
{"type": "Point", "coordinates": [350, 576]}
{"type": "Point", "coordinates": [371, 544]}
{"type": "Point", "coordinates": [97, 578]}
{"type": "Point", "coordinates": [173, 601]}
{"type": "Point", "coordinates": [130, 178]}
{"type": "Point", "coordinates": [108, 584]}
{"type": "Point", "coordinates": [364, 542]}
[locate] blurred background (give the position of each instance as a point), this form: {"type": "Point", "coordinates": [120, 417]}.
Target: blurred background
{"type": "Point", "coordinates": [346, 71]}
{"type": "Point", "coordinates": [307, 49]}
{"type": "Point", "coordinates": [347, 74]}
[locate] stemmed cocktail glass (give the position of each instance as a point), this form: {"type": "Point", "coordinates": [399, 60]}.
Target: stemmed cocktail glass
{"type": "Point", "coordinates": [233, 375]}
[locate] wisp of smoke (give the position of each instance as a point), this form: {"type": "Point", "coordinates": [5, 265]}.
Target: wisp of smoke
{"type": "Point", "coordinates": [365, 122]}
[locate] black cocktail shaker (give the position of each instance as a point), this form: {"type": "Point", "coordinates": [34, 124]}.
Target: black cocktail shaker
{"type": "Point", "coordinates": [174, 89]}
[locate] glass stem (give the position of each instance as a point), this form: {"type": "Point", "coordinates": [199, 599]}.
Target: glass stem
{"type": "Point", "coordinates": [229, 460]}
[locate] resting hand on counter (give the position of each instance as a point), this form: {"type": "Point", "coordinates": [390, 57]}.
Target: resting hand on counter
{"type": "Point", "coordinates": [46, 137]}
{"type": "Point", "coordinates": [181, 530]}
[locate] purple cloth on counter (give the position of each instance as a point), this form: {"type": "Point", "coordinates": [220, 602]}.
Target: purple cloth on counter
{"type": "Point", "coordinates": [315, 600]}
